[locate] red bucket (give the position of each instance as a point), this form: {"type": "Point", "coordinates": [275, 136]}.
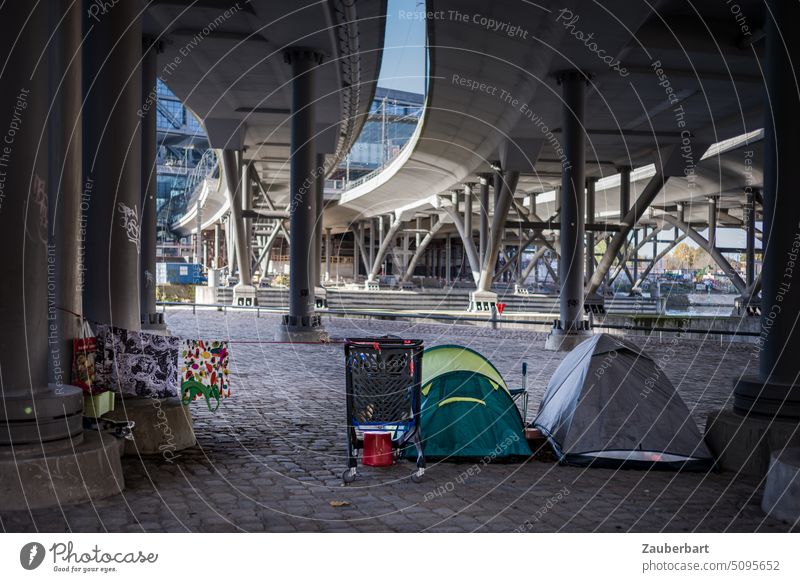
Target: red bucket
{"type": "Point", "coordinates": [378, 449]}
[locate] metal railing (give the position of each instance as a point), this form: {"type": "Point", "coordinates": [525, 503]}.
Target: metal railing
{"type": "Point", "coordinates": [447, 317]}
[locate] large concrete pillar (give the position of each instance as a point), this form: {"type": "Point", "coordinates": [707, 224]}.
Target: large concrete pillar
{"type": "Point", "coordinates": [217, 236]}
{"type": "Point", "coordinates": [52, 462]}
{"type": "Point", "coordinates": [775, 392]}
{"type": "Point", "coordinates": [590, 218]}
{"type": "Point", "coordinates": [373, 237]}
{"type": "Point", "coordinates": [112, 164]}
{"type": "Point", "coordinates": [302, 324]}
{"type": "Point", "coordinates": [484, 217]}
{"type": "Point", "coordinates": [319, 192]}
{"type": "Point", "coordinates": [468, 210]}
{"type": "Point", "coordinates": [150, 318]}
{"type": "Point", "coordinates": [571, 328]}
{"type": "Point", "coordinates": [243, 291]}
{"type": "Point", "coordinates": [65, 179]}
{"type": "Point", "coordinates": [448, 258]}
{"type": "Point", "coordinates": [31, 413]}
{"type": "Point", "coordinates": [247, 205]}
{"type": "Point", "coordinates": [328, 252]}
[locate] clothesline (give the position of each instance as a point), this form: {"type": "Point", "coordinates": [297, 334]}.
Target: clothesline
{"type": "Point", "coordinates": [232, 341]}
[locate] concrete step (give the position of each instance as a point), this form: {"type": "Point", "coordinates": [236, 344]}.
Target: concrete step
{"type": "Point", "coordinates": [452, 300]}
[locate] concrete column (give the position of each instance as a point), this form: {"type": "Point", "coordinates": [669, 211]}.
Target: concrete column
{"type": "Point", "coordinates": [635, 255]}
{"type": "Point", "coordinates": [498, 188]}
{"type": "Point", "coordinates": [31, 413]}
{"type": "Point", "coordinates": [624, 191]}
{"type": "Point", "coordinates": [655, 246]}
{"type": "Point", "coordinates": [484, 218]}
{"type": "Point", "coordinates": [217, 236]}
{"type": "Point", "coordinates": [150, 317]}
{"type": "Point", "coordinates": [65, 179]}
{"type": "Point", "coordinates": [573, 200]}
{"type": "Point", "coordinates": [421, 249]}
{"type": "Point", "coordinates": [750, 232]}
{"type": "Point", "coordinates": [328, 253]}
{"type": "Point", "coordinates": [112, 163]}
{"type": "Point", "coordinates": [775, 392]}
{"type": "Point", "coordinates": [319, 192]}
{"type": "Point", "coordinates": [230, 167]}
{"type": "Point", "coordinates": [387, 242]}
{"type": "Point", "coordinates": [246, 186]}
{"type": "Point", "coordinates": [230, 246]}
{"type": "Point", "coordinates": [532, 204]}
{"type": "Point", "coordinates": [361, 241]}
{"type": "Point", "coordinates": [468, 210]}
{"type": "Point", "coordinates": [448, 257]}
{"type": "Point", "coordinates": [590, 218]}
{"type": "Point", "coordinates": [712, 221]}
{"type": "Point", "coordinates": [373, 237]}
{"type": "Point", "coordinates": [302, 324]}
{"type": "Point", "coordinates": [197, 237]}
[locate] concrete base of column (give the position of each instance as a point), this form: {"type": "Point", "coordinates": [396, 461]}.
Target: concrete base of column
{"type": "Point", "coordinates": [767, 400]}
{"type": "Point", "coordinates": [320, 297]}
{"type": "Point", "coordinates": [373, 285]}
{"type": "Point", "coordinates": [308, 329]}
{"type": "Point", "coordinates": [521, 290]}
{"type": "Point", "coordinates": [746, 305]}
{"type": "Point", "coordinates": [561, 340]}
{"type": "Point", "coordinates": [53, 415]}
{"type": "Point", "coordinates": [484, 301]}
{"type": "Point", "coordinates": [782, 492]}
{"type": "Point", "coordinates": [744, 444]}
{"type": "Point", "coordinates": [205, 295]}
{"type": "Point", "coordinates": [154, 323]}
{"type": "Point", "coordinates": [162, 426]}
{"type": "Point", "coordinates": [244, 295]}
{"type": "Point", "coordinates": [86, 468]}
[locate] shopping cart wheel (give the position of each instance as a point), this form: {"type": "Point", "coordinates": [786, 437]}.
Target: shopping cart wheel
{"type": "Point", "coordinates": [418, 475]}
{"type": "Point", "coordinates": [349, 475]}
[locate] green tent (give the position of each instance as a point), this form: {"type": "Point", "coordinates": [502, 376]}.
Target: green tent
{"type": "Point", "coordinates": [467, 411]}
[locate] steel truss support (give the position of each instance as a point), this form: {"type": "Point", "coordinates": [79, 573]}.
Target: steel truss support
{"type": "Point", "coordinates": [466, 239]}
{"type": "Point", "coordinates": [652, 189]}
{"type": "Point", "coordinates": [643, 275]}
{"type": "Point", "coordinates": [632, 251]}
{"type": "Point", "coordinates": [507, 184]}
{"type": "Point", "coordinates": [712, 251]}
{"type": "Point", "coordinates": [532, 265]}
{"type": "Point", "coordinates": [386, 243]}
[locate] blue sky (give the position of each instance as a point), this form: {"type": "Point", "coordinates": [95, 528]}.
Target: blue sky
{"type": "Point", "coordinates": [403, 64]}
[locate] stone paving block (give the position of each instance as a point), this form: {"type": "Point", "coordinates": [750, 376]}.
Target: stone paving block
{"type": "Point", "coordinates": [279, 441]}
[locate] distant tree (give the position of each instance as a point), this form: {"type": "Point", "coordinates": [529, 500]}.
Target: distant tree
{"type": "Point", "coordinates": [685, 256]}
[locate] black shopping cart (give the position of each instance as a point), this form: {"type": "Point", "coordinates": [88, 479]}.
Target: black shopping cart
{"type": "Point", "coordinates": [383, 393]}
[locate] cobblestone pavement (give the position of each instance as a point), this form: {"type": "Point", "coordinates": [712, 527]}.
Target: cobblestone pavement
{"type": "Point", "coordinates": [271, 458]}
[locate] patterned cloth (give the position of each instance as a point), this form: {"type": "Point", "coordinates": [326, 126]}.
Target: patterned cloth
{"type": "Point", "coordinates": [135, 363]}
{"type": "Point", "coordinates": [205, 371]}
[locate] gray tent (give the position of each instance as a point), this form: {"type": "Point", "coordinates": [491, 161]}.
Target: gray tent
{"type": "Point", "coordinates": [608, 404]}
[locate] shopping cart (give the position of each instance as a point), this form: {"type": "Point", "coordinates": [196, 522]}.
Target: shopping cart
{"type": "Point", "coordinates": [383, 393]}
